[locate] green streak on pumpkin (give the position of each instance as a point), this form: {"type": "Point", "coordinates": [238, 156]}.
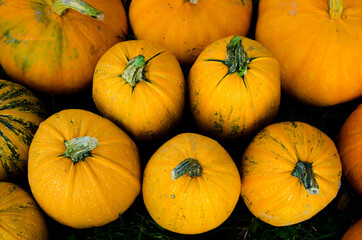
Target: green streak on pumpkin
{"type": "Point", "coordinates": [10, 162]}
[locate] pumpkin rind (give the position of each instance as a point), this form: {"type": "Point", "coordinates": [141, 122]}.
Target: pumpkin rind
{"type": "Point", "coordinates": [186, 28]}
{"type": "Point", "coordinates": [196, 203]}
{"type": "Point", "coordinates": [20, 115]}
{"type": "Point", "coordinates": [319, 69]}
{"type": "Point", "coordinates": [21, 218]}
{"type": "Point", "coordinates": [228, 104]}
{"type": "Point", "coordinates": [350, 148]}
{"type": "Point", "coordinates": [269, 187]}
{"type": "Point", "coordinates": [146, 108]}
{"type": "Point", "coordinates": [354, 232]}
{"type": "Point", "coordinates": [56, 54]}
{"type": "Point", "coordinates": [91, 191]}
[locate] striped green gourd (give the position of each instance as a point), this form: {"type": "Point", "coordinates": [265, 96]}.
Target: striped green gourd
{"type": "Point", "coordinates": [20, 115]}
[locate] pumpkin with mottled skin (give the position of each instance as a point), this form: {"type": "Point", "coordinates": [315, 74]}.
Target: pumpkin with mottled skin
{"type": "Point", "coordinates": [234, 88]}
{"type": "Point", "coordinates": [52, 47]}
{"type": "Point", "coordinates": [20, 115]}
{"type": "Point", "coordinates": [191, 184]}
{"type": "Point", "coordinates": [83, 170]}
{"type": "Point", "coordinates": [21, 217]}
{"type": "Point", "coordinates": [350, 148]}
{"type": "Point", "coordinates": [318, 46]}
{"type": "Point", "coordinates": [290, 171]}
{"type": "Point", "coordinates": [354, 232]}
{"type": "Point", "coordinates": [140, 86]}
{"type": "Point", "coordinates": [187, 27]}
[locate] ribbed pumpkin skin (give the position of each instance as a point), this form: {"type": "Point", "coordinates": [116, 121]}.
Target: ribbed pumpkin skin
{"type": "Point", "coordinates": [186, 28]}
{"type": "Point", "coordinates": [354, 232]}
{"type": "Point", "coordinates": [21, 218]}
{"type": "Point", "coordinates": [226, 105]}
{"type": "Point", "coordinates": [20, 115]}
{"type": "Point", "coordinates": [319, 69]}
{"type": "Point", "coordinates": [56, 54]}
{"type": "Point", "coordinates": [191, 205]}
{"type": "Point", "coordinates": [151, 108]}
{"type": "Point", "coordinates": [350, 149]}
{"type": "Point", "coordinates": [270, 191]}
{"type": "Point", "coordinates": [90, 192]}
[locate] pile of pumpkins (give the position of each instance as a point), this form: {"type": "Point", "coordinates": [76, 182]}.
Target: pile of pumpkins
{"type": "Point", "coordinates": [84, 168]}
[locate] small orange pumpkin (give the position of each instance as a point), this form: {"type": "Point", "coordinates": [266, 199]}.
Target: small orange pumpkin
{"type": "Point", "coordinates": [187, 27]}
{"type": "Point", "coordinates": [354, 232]}
{"type": "Point", "coordinates": [234, 88]}
{"type": "Point", "coordinates": [290, 172]}
{"type": "Point", "coordinates": [83, 170]}
{"type": "Point", "coordinates": [21, 218]}
{"type": "Point", "coordinates": [318, 46]}
{"type": "Point", "coordinates": [191, 184]}
{"type": "Point", "coordinates": [350, 149]}
{"type": "Point", "coordinates": [53, 46]}
{"type": "Point", "coordinates": [140, 86]}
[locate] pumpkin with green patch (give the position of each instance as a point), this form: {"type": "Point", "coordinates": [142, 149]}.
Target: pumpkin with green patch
{"type": "Point", "coordinates": [20, 115]}
{"type": "Point", "coordinates": [140, 86]}
{"type": "Point", "coordinates": [234, 88]}
{"type": "Point", "coordinates": [290, 171]}
{"type": "Point", "coordinates": [53, 46]}
{"type": "Point", "coordinates": [190, 185]}
{"type": "Point", "coordinates": [21, 217]}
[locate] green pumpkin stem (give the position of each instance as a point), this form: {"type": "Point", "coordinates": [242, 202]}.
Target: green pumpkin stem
{"type": "Point", "coordinates": [61, 6]}
{"type": "Point", "coordinates": [134, 71]}
{"type": "Point", "coordinates": [79, 148]}
{"type": "Point", "coordinates": [304, 172]}
{"type": "Point", "coordinates": [190, 166]}
{"type": "Point", "coordinates": [335, 8]}
{"type": "Point", "coordinates": [237, 59]}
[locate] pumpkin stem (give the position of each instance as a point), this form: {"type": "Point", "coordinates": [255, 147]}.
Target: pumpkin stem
{"type": "Point", "coordinates": [237, 59]}
{"type": "Point", "coordinates": [193, 1]}
{"type": "Point", "coordinates": [304, 172]}
{"type": "Point", "coordinates": [335, 8]}
{"type": "Point", "coordinates": [61, 6]}
{"type": "Point", "coordinates": [190, 166]}
{"type": "Point", "coordinates": [79, 148]}
{"type": "Point", "coordinates": [133, 73]}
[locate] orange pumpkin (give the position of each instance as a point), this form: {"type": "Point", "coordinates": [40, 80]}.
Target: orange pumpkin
{"type": "Point", "coordinates": [318, 46]}
{"type": "Point", "coordinates": [50, 46]}
{"type": "Point", "coordinates": [290, 172]}
{"type": "Point", "coordinates": [21, 112]}
{"type": "Point", "coordinates": [191, 184]}
{"type": "Point", "coordinates": [354, 232]}
{"type": "Point", "coordinates": [350, 149]}
{"type": "Point", "coordinates": [140, 86]}
{"type": "Point", "coordinates": [234, 88]}
{"type": "Point", "coordinates": [21, 218]}
{"type": "Point", "coordinates": [83, 170]}
{"type": "Point", "coordinates": [187, 27]}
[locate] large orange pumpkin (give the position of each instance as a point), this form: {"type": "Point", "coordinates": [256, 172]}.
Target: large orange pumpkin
{"type": "Point", "coordinates": [234, 88]}
{"type": "Point", "coordinates": [140, 86]}
{"type": "Point", "coordinates": [51, 46]}
{"type": "Point", "coordinates": [318, 46]}
{"type": "Point", "coordinates": [83, 170]}
{"type": "Point", "coordinates": [290, 172]}
{"type": "Point", "coordinates": [354, 232]}
{"type": "Point", "coordinates": [191, 184]}
{"type": "Point", "coordinates": [21, 112]}
{"type": "Point", "coordinates": [186, 27]}
{"type": "Point", "coordinates": [21, 218]}
{"type": "Point", "coordinates": [350, 149]}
